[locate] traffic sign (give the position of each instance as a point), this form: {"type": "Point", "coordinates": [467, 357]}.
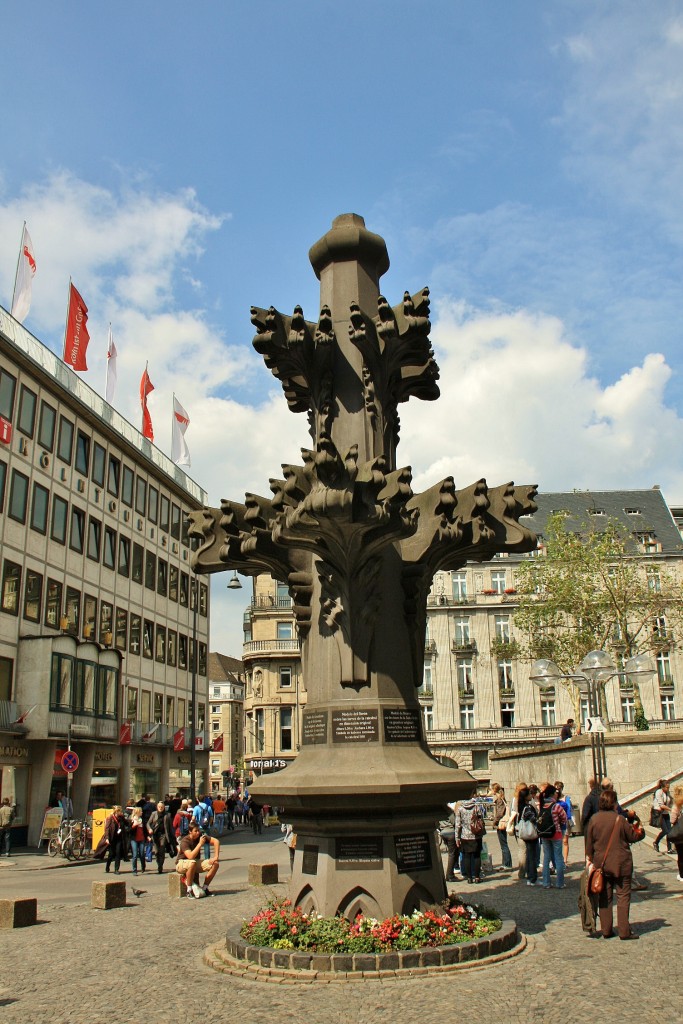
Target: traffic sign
{"type": "Point", "coordinates": [70, 761]}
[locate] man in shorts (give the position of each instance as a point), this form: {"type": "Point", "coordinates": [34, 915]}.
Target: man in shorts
{"type": "Point", "coordinates": [190, 862]}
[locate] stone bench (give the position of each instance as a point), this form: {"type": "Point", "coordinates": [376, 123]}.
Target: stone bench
{"type": "Point", "coordinates": [176, 886]}
{"type": "Point", "coordinates": [108, 895]}
{"type": "Point", "coordinates": [18, 913]}
{"type": "Point", "coordinates": [263, 874]}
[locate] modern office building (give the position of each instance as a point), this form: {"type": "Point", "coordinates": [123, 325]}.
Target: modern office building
{"type": "Point", "coordinates": [103, 628]}
{"type": "Point", "coordinates": [275, 689]}
{"type": "Point", "coordinates": [226, 721]}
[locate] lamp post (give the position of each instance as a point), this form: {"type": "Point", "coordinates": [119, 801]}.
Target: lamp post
{"type": "Point", "coordinates": [596, 669]}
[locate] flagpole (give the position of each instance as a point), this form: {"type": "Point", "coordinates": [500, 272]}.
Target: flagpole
{"type": "Point", "coordinates": [66, 322]}
{"type": "Point", "coordinates": [106, 371]}
{"type": "Point", "coordinates": [16, 274]}
{"type": "Point", "coordinates": [143, 401]}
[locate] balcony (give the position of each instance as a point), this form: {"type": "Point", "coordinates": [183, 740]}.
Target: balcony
{"type": "Point", "coordinates": [507, 691]}
{"type": "Point", "coordinates": [9, 712]}
{"type": "Point", "coordinates": [269, 603]}
{"type": "Point", "coordinates": [542, 733]}
{"type": "Point", "coordinates": [430, 646]}
{"type": "Point", "coordinates": [88, 727]}
{"type": "Point", "coordinates": [464, 647]}
{"type": "Point", "coordinates": [271, 647]}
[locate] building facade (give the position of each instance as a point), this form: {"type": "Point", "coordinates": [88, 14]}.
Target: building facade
{"type": "Point", "coordinates": [226, 721]}
{"type": "Point", "coordinates": [103, 628]}
{"type": "Point", "coordinates": [275, 689]}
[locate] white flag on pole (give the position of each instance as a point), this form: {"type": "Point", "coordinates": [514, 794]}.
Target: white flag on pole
{"type": "Point", "coordinates": [111, 368]}
{"type": "Point", "coordinates": [180, 453]}
{"type": "Point", "coordinates": [23, 282]}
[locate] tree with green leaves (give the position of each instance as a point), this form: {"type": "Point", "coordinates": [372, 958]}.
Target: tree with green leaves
{"type": "Point", "coordinates": [590, 588]}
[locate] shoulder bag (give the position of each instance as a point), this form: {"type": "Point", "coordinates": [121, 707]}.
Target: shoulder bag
{"type": "Point", "coordinates": [597, 880]}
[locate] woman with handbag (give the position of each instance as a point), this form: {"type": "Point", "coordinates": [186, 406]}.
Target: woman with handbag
{"type": "Point", "coordinates": [676, 834]}
{"type": "Point", "coordinates": [527, 816]}
{"type": "Point", "coordinates": [501, 820]}
{"type": "Point", "coordinates": [661, 812]}
{"type": "Point", "coordinates": [608, 848]}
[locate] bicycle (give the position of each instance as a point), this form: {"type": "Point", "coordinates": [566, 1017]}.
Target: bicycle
{"type": "Point", "coordinates": [71, 840]}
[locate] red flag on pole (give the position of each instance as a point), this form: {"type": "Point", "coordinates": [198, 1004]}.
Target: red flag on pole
{"type": "Point", "coordinates": [179, 740]}
{"type": "Point", "coordinates": [145, 387]}
{"type": "Point", "coordinates": [125, 734]}
{"type": "Point", "coordinates": [23, 281]}
{"type": "Point", "coordinates": [217, 743]}
{"type": "Point", "coordinates": [76, 337]}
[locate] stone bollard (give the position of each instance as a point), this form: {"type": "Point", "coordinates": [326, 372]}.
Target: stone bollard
{"type": "Point", "coordinates": [108, 895]}
{"type": "Point", "coordinates": [176, 886]}
{"type": "Point", "coordinates": [263, 874]}
{"type": "Point", "coordinates": [18, 913]}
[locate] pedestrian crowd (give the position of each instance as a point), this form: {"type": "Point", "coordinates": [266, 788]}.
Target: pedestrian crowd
{"type": "Point", "coordinates": [540, 820]}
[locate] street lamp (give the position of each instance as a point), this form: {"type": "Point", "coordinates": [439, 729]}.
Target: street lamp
{"type": "Point", "coordinates": [596, 668]}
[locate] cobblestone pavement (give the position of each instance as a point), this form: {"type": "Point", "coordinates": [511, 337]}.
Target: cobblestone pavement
{"type": "Point", "coordinates": [144, 962]}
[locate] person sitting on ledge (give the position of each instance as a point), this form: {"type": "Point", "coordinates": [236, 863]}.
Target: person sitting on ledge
{"type": "Point", "coordinates": [190, 862]}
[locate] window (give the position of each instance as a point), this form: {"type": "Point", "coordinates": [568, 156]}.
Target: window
{"type": "Point", "coordinates": [185, 528]}
{"type": "Point", "coordinates": [668, 707]}
{"type": "Point", "coordinates": [127, 486]}
{"type": "Point", "coordinates": [99, 461]}
{"type": "Point", "coordinates": [158, 707]}
{"type": "Point", "coordinates": [654, 581]}
{"type": "Point", "coordinates": [459, 586]}
{"type": "Point", "coordinates": [140, 495]}
{"type": "Point", "coordinates": [507, 714]}
{"type": "Point", "coordinates": [85, 697]}
{"type": "Point", "coordinates": [285, 728]}
{"type": "Point", "coordinates": [153, 505]}
{"type": "Point", "coordinates": [192, 662]}
{"type": "Point", "coordinates": [107, 687]}
{"type": "Point", "coordinates": [172, 648]}
{"type": "Point", "coordinates": [132, 704]}
{"type": "Point", "coordinates": [628, 708]}
{"type": "Point", "coordinates": [18, 497]}
{"type": "Point", "coordinates": [150, 570]}
{"type": "Point", "coordinates": [548, 712]}
{"type": "Point", "coordinates": [498, 581]}
{"type": "Point", "coordinates": [135, 627]}
{"type": "Point", "coordinates": [164, 513]}
{"type": "Point", "coordinates": [284, 630]}
{"type": "Point", "coordinates": [203, 599]}
{"type": "Point", "coordinates": [94, 539]}
{"type": "Point", "coordinates": [215, 709]}
{"type": "Point", "coordinates": [33, 595]}
{"type": "Point", "coordinates": [46, 426]}
{"type": "Point", "coordinates": [73, 610]}
{"type": "Point", "coordinates": [82, 453]}
{"type": "Point", "coordinates": [659, 627]}
{"type": "Point", "coordinates": [649, 545]}
{"type": "Point", "coordinates": [184, 588]}
{"type": "Point", "coordinates": [173, 584]}
{"type": "Point", "coordinates": [11, 586]}
{"type": "Point", "coordinates": [39, 508]}
{"type": "Point", "coordinates": [61, 681]}
{"type": "Point", "coordinates": [77, 529]}
{"type": "Point", "coordinates": [505, 674]}
{"type": "Point", "coordinates": [90, 616]}
{"type": "Point", "coordinates": [427, 675]}
{"type": "Point", "coordinates": [60, 510]}
{"type": "Point", "coordinates": [464, 672]}
{"type": "Point", "coordinates": [109, 552]}
{"type": "Point", "coordinates": [121, 634]}
{"type": "Point", "coordinates": [65, 440]}
{"type": "Point", "coordinates": [53, 604]}
{"type": "Point", "coordinates": [480, 760]}
{"type": "Point", "coordinates": [106, 622]}
{"type": "Point", "coordinates": [162, 577]}
{"type": "Point", "coordinates": [201, 715]}
{"type": "Point", "coordinates": [461, 624]}
{"type": "Point", "coordinates": [170, 710]}
{"type": "Point", "coordinates": [27, 411]}
{"type": "Point", "coordinates": [182, 720]}
{"type": "Point", "coordinates": [428, 717]}
{"type": "Point", "coordinates": [124, 556]}
{"type": "Point", "coordinates": [467, 716]}
{"type": "Point", "coordinates": [175, 522]}
{"type": "Point", "coordinates": [3, 477]}
{"type": "Point", "coordinates": [138, 561]}
{"type": "Point", "coordinates": [145, 706]}
{"type": "Point", "coordinates": [114, 476]}
{"type": "Point", "coordinates": [8, 386]}
{"type": "Point", "coordinates": [663, 669]}
{"type": "Point", "coordinates": [193, 593]}
{"type": "Point", "coordinates": [147, 638]}
{"type": "Point", "coordinates": [202, 659]}
{"type": "Point", "coordinates": [502, 627]}
{"type": "Point", "coordinates": [6, 669]}
{"type": "Point", "coordinates": [160, 650]}
{"type": "Point", "coordinates": [182, 651]}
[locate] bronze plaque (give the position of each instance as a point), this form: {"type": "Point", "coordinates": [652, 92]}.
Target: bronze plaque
{"type": "Point", "coordinates": [355, 726]}
{"type": "Point", "coordinates": [314, 729]}
{"type": "Point", "coordinates": [309, 861]}
{"type": "Point", "coordinates": [413, 853]}
{"type": "Point", "coordinates": [401, 725]}
{"type": "Point", "coordinates": [364, 852]}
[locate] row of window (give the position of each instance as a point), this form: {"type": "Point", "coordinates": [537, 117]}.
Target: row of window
{"type": "Point", "coordinates": [164, 709]}
{"type": "Point", "coordinates": [89, 458]}
{"type": "Point", "coordinates": [256, 728]}
{"type": "Point", "coordinates": [83, 687]}
{"type": "Point", "coordinates": [67, 609]}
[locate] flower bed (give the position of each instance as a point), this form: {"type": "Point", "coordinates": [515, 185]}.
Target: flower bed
{"type": "Point", "coordinates": [282, 926]}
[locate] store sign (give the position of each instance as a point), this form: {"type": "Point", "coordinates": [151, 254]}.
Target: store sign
{"type": "Point", "coordinates": [14, 751]}
{"type": "Point", "coordinates": [263, 764]}
{"type": "Point", "coordinates": [5, 431]}
{"type": "Point", "coordinates": [145, 758]}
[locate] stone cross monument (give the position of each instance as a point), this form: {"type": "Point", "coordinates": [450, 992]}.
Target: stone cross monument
{"type": "Point", "coordinates": [358, 550]}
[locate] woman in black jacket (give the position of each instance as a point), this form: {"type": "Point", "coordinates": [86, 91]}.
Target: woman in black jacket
{"type": "Point", "coordinates": [115, 836]}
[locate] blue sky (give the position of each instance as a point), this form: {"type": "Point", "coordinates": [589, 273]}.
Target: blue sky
{"type": "Point", "coordinates": [523, 159]}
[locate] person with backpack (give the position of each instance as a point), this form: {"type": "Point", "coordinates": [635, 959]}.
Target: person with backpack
{"type": "Point", "coordinates": [525, 829]}
{"type": "Point", "coordinates": [469, 830]}
{"type": "Point", "coordinates": [550, 825]}
{"type": "Point", "coordinates": [203, 814]}
{"type": "Point", "coordinates": [181, 820]}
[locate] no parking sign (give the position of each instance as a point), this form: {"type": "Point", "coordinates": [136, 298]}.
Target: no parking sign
{"type": "Point", "coordinates": [70, 761]}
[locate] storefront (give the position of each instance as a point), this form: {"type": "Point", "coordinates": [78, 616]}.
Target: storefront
{"type": "Point", "coordinates": [145, 774]}
{"type": "Point", "coordinates": [15, 783]}
{"type": "Point", "coordinates": [105, 784]}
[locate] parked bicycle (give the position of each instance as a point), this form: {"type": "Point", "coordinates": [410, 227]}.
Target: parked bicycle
{"type": "Point", "coordinates": [72, 839]}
